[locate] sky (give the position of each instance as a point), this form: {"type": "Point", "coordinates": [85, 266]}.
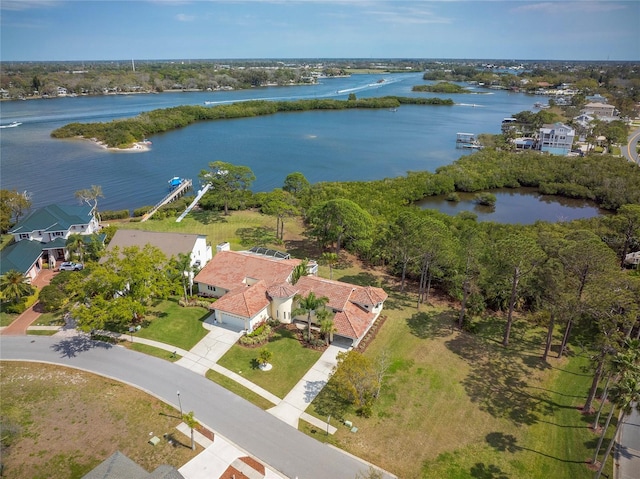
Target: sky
{"type": "Point", "coordinates": [72, 30]}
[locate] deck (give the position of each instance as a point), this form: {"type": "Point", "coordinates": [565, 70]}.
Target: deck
{"type": "Point", "coordinates": [174, 194]}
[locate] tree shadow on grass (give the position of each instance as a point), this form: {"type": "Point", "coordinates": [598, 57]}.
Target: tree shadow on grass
{"type": "Point", "coordinates": [497, 380]}
{"type": "Point", "coordinates": [426, 325]}
{"type": "Point", "coordinates": [361, 279]}
{"type": "Point", "coordinates": [329, 402]}
{"type": "Point", "coordinates": [207, 216]}
{"type": "Point", "coordinates": [71, 347]}
{"type": "Point", "coordinates": [508, 443]}
{"type": "Point", "coordinates": [482, 471]}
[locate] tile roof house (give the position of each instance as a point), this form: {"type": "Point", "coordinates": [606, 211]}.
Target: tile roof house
{"type": "Point", "coordinates": [40, 237]}
{"type": "Point", "coordinates": [253, 288]}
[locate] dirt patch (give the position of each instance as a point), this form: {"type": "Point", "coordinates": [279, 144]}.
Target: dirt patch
{"type": "Point", "coordinates": [64, 422]}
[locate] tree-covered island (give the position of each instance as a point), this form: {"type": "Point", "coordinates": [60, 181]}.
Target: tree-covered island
{"type": "Point", "coordinates": [441, 87]}
{"type": "Point", "coordinates": [123, 133]}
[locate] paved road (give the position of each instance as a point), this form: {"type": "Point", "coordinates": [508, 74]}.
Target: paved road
{"type": "Point", "coordinates": [259, 433]}
{"type": "Point", "coordinates": [629, 151]}
{"type": "Point", "coordinates": [628, 453]}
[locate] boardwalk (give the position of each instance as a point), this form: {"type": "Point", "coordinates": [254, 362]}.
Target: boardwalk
{"type": "Point", "coordinates": [175, 193]}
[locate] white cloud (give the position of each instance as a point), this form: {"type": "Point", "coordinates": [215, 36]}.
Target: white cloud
{"type": "Point", "coordinates": [584, 6]}
{"type": "Point", "coordinates": [183, 17]}
{"type": "Point", "coordinates": [18, 5]}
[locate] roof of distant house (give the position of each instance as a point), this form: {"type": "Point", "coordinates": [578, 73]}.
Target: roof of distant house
{"type": "Point", "coordinates": [171, 244]}
{"type": "Point", "coordinates": [119, 466]}
{"type": "Point", "coordinates": [54, 218]}
{"type": "Point", "coordinates": [20, 256]}
{"type": "Point", "coordinates": [230, 269]}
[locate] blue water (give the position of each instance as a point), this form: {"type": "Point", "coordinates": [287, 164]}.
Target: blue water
{"type": "Point", "coordinates": [324, 146]}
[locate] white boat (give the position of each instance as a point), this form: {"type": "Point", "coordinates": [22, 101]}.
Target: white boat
{"type": "Point", "coordinates": [11, 125]}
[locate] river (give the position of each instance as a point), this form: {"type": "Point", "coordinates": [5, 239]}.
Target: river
{"type": "Point", "coordinates": [324, 146]}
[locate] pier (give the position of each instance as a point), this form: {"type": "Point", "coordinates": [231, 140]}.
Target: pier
{"type": "Point", "coordinates": [194, 202]}
{"type": "Point", "coordinates": [175, 193]}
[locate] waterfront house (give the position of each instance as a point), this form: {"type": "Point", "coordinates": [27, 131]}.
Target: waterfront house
{"type": "Point", "coordinates": [41, 237]}
{"type": "Point", "coordinates": [257, 285]}
{"type": "Point", "coordinates": [603, 111]}
{"type": "Point", "coordinates": [556, 139]}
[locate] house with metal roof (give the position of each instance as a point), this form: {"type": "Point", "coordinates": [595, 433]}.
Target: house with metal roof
{"type": "Point", "coordinates": [252, 288]}
{"type": "Point", "coordinates": [171, 244]}
{"type": "Point", "coordinates": [40, 237]}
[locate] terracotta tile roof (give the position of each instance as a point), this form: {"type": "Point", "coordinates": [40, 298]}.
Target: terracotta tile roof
{"type": "Point", "coordinates": [353, 322]}
{"type": "Point", "coordinates": [282, 290]}
{"type": "Point", "coordinates": [337, 292]}
{"type": "Point", "coordinates": [229, 269]}
{"type": "Point", "coordinates": [369, 295]}
{"type": "Point", "coordinates": [244, 301]}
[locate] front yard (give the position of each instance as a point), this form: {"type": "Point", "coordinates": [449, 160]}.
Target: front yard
{"type": "Point", "coordinates": [290, 360]}
{"type": "Point", "coordinates": [170, 323]}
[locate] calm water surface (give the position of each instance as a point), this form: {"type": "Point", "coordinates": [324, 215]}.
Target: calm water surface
{"type": "Point", "coordinates": [521, 205]}
{"type": "Point", "coordinates": [324, 146]}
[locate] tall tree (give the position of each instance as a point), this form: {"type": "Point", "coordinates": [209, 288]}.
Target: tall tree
{"type": "Point", "coordinates": [437, 250]}
{"type": "Point", "coordinates": [90, 196]}
{"type": "Point", "coordinates": [404, 240]}
{"type": "Point", "coordinates": [295, 183]}
{"type": "Point", "coordinates": [13, 206]}
{"type": "Point", "coordinates": [330, 259]}
{"type": "Point", "coordinates": [584, 259]}
{"type": "Point", "coordinates": [228, 181]}
{"type": "Point", "coordinates": [626, 223]}
{"type": "Point", "coordinates": [278, 203]}
{"type": "Point", "coordinates": [514, 256]}
{"type": "Point", "coordinates": [341, 221]}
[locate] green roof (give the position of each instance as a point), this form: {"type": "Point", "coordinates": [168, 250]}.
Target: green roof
{"type": "Point", "coordinates": [20, 256]}
{"type": "Point", "coordinates": [54, 218]}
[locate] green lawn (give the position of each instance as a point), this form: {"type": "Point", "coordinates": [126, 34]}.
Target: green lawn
{"type": "Point", "coordinates": [239, 389]}
{"type": "Point", "coordinates": [172, 324]}
{"type": "Point", "coordinates": [291, 360]}
{"type": "Point", "coordinates": [7, 318]}
{"type": "Point", "coordinates": [457, 405]}
{"type": "Point", "coordinates": [152, 351]}
{"type": "Point", "coordinates": [50, 319]}
{"type": "Point", "coordinates": [217, 227]}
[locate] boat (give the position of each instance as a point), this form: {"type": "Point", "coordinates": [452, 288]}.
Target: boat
{"type": "Point", "coordinates": [467, 140]}
{"type": "Point", "coordinates": [146, 142]}
{"type": "Point", "coordinates": [11, 125]}
{"type": "Point", "coordinates": [209, 102]}
{"type": "Point", "coordinates": [175, 182]}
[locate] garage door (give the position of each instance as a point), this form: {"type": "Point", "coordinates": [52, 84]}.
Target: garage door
{"type": "Point", "coordinates": [232, 322]}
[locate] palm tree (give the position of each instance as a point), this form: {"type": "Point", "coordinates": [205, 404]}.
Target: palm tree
{"type": "Point", "coordinates": [625, 395]}
{"type": "Point", "coordinates": [308, 305]}
{"type": "Point", "coordinates": [75, 245]}
{"type": "Point", "coordinates": [192, 423]}
{"type": "Point", "coordinates": [327, 328]}
{"type": "Point", "coordinates": [14, 286]}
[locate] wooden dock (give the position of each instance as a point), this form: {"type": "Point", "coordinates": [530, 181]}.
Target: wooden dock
{"type": "Point", "coordinates": [175, 193]}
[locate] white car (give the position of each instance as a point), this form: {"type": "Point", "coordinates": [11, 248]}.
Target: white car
{"type": "Point", "coordinates": [71, 266]}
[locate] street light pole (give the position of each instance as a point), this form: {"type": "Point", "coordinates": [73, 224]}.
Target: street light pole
{"type": "Point", "coordinates": [180, 403]}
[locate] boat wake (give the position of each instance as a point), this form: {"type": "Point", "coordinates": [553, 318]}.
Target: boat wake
{"type": "Point", "coordinates": [11, 125]}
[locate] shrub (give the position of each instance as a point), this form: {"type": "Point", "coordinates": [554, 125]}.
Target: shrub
{"type": "Point", "coordinates": [115, 215]}
{"type": "Point", "coordinates": [259, 336]}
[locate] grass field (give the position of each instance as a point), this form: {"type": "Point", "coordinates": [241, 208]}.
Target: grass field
{"type": "Point", "coordinates": [50, 416]}
{"type": "Point", "coordinates": [457, 405]}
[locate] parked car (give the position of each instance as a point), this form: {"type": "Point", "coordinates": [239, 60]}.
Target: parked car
{"type": "Point", "coordinates": [71, 266]}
